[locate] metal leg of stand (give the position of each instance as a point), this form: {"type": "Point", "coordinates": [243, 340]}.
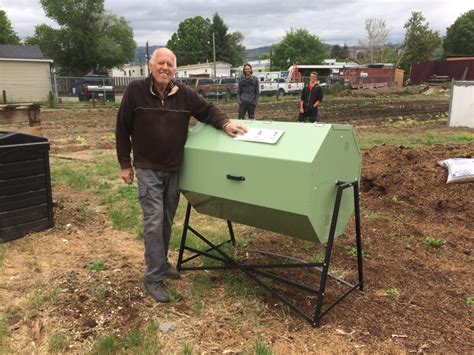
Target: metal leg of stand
{"type": "Point", "coordinates": [358, 235]}
{"type": "Point", "coordinates": [327, 258]}
{"type": "Point", "coordinates": [231, 232]}
{"type": "Point", "coordinates": [183, 236]}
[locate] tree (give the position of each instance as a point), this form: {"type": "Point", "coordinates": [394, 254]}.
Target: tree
{"type": "Point", "coordinates": [88, 38]}
{"type": "Point", "coordinates": [420, 42]}
{"type": "Point", "coordinates": [298, 46]}
{"type": "Point", "coordinates": [7, 34]}
{"type": "Point", "coordinates": [228, 45]}
{"type": "Point", "coordinates": [339, 52]}
{"type": "Point", "coordinates": [459, 38]}
{"type": "Point", "coordinates": [388, 54]}
{"type": "Point", "coordinates": [377, 33]}
{"type": "Point", "coordinates": [192, 42]}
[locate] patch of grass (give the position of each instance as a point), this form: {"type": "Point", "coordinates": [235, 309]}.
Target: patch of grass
{"type": "Point", "coordinates": [261, 348]}
{"type": "Point", "coordinates": [318, 257]}
{"type": "Point", "coordinates": [39, 299]}
{"type": "Point", "coordinates": [434, 242]}
{"type": "Point", "coordinates": [392, 292]}
{"type": "Point", "coordinates": [145, 342]}
{"type": "Point", "coordinates": [3, 252]}
{"type": "Point", "coordinates": [77, 179]}
{"type": "Point", "coordinates": [4, 324]}
{"type": "Point", "coordinates": [423, 138]}
{"type": "Point", "coordinates": [379, 217]}
{"type": "Point", "coordinates": [200, 286]}
{"type": "Point", "coordinates": [58, 342]}
{"type": "Point", "coordinates": [352, 250]}
{"type": "Point", "coordinates": [470, 301]}
{"type": "Point", "coordinates": [123, 208]}
{"type": "Point", "coordinates": [107, 344]}
{"type": "Point", "coordinates": [187, 349]}
{"type": "Point", "coordinates": [96, 266]}
{"type": "Point", "coordinates": [239, 285]}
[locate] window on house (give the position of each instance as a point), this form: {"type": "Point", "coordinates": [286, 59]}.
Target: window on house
{"type": "Point", "coordinates": [141, 71]}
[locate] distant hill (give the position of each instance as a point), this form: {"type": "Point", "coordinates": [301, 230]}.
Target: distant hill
{"type": "Point", "coordinates": [254, 54]}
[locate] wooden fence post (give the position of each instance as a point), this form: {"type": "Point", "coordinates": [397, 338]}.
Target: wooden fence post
{"type": "Point", "coordinates": [4, 94]}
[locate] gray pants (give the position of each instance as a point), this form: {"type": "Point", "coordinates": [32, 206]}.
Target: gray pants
{"type": "Point", "coordinates": [159, 196]}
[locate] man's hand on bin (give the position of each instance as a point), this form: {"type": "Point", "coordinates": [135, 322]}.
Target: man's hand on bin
{"type": "Point", "coordinates": [232, 129]}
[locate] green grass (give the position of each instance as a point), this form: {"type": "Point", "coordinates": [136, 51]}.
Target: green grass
{"type": "Point", "coordinates": [352, 250]}
{"type": "Point", "coordinates": [415, 139]}
{"type": "Point", "coordinates": [470, 301]}
{"type": "Point", "coordinates": [107, 344]}
{"type": "Point", "coordinates": [3, 252]}
{"type": "Point", "coordinates": [78, 179]}
{"type": "Point", "coordinates": [434, 242]}
{"type": "Point", "coordinates": [96, 266]}
{"type": "Point", "coordinates": [39, 299]}
{"type": "Point", "coordinates": [261, 348]}
{"type": "Point", "coordinates": [379, 217]}
{"type": "Point", "coordinates": [137, 341]}
{"type": "Point", "coordinates": [4, 324]}
{"type": "Point", "coordinates": [57, 343]}
{"type": "Point", "coordinates": [392, 292]}
{"type": "Point", "coordinates": [187, 349]}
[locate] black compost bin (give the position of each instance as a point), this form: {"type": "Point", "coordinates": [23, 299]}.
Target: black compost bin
{"type": "Point", "coordinates": [26, 203]}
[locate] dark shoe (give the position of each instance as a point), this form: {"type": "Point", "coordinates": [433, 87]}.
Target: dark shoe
{"type": "Point", "coordinates": [171, 272]}
{"type": "Point", "coordinates": [157, 290]}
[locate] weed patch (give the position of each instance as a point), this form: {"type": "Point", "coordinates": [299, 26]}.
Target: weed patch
{"type": "Point", "coordinates": [435, 242]}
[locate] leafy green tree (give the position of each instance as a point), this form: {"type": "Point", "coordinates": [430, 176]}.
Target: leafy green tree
{"type": "Point", "coordinates": [191, 42]}
{"type": "Point", "coordinates": [88, 38]}
{"type": "Point", "coordinates": [7, 34]}
{"type": "Point", "coordinates": [229, 46]}
{"type": "Point", "coordinates": [459, 38]}
{"type": "Point", "coordinates": [339, 52]}
{"type": "Point", "coordinates": [388, 54]}
{"type": "Point", "coordinates": [298, 46]}
{"type": "Point", "coordinates": [420, 42]}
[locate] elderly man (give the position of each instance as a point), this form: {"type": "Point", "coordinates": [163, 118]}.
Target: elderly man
{"type": "Point", "coordinates": [152, 122]}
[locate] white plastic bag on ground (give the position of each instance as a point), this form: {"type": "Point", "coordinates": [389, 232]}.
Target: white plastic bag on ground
{"type": "Point", "coordinates": [459, 169]}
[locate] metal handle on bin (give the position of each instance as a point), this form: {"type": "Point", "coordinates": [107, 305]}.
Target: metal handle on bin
{"type": "Point", "coordinates": [238, 178]}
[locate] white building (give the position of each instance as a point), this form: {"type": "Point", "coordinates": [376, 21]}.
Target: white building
{"type": "Point", "coordinates": [25, 73]}
{"type": "Point", "coordinates": [130, 71]}
{"type": "Point", "coordinates": [204, 70]}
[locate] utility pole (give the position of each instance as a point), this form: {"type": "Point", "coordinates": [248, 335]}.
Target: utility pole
{"type": "Point", "coordinates": [214, 52]}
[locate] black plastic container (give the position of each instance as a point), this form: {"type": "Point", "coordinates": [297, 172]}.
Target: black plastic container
{"type": "Point", "coordinates": [26, 203]}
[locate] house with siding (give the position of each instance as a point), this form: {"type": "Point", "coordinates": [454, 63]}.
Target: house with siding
{"type": "Point", "coordinates": [25, 73]}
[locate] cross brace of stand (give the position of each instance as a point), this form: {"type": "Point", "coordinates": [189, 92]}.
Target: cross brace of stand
{"type": "Point", "coordinates": [257, 272]}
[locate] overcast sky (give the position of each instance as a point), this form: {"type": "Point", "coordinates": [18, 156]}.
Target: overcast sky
{"type": "Point", "coordinates": [262, 22]}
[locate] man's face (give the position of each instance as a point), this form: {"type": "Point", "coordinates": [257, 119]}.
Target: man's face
{"type": "Point", "coordinates": [313, 78]}
{"type": "Point", "coordinates": [163, 68]}
{"type": "Point", "coordinates": [247, 71]}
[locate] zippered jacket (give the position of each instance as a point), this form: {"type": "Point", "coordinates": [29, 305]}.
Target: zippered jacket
{"type": "Point", "coordinates": [309, 98]}
{"type": "Point", "coordinates": [155, 128]}
{"type": "Point", "coordinates": [248, 90]}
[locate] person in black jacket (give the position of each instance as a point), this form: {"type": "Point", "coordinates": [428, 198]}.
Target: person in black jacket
{"type": "Point", "coordinates": [311, 98]}
{"type": "Point", "coordinates": [248, 92]}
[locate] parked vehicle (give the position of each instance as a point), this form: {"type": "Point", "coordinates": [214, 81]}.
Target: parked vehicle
{"type": "Point", "coordinates": [97, 86]}
{"type": "Point", "coordinates": [232, 86]}
{"type": "Point", "coordinates": [280, 86]}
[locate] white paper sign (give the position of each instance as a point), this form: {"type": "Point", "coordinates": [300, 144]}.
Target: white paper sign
{"type": "Point", "coordinates": [261, 135]}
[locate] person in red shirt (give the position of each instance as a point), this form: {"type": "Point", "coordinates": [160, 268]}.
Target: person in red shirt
{"type": "Point", "coordinates": [311, 98]}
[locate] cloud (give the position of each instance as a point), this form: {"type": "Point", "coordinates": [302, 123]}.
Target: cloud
{"type": "Point", "coordinates": [262, 22]}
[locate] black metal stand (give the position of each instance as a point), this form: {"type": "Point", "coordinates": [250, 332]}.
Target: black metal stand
{"type": "Point", "coordinates": [255, 271]}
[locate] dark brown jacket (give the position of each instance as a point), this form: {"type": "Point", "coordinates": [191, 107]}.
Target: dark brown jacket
{"type": "Point", "coordinates": [156, 128]}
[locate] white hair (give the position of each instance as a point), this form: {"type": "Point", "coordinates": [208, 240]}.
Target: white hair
{"type": "Point", "coordinates": [157, 51]}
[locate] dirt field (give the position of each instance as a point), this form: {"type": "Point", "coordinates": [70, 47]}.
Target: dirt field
{"type": "Point", "coordinates": [418, 297]}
